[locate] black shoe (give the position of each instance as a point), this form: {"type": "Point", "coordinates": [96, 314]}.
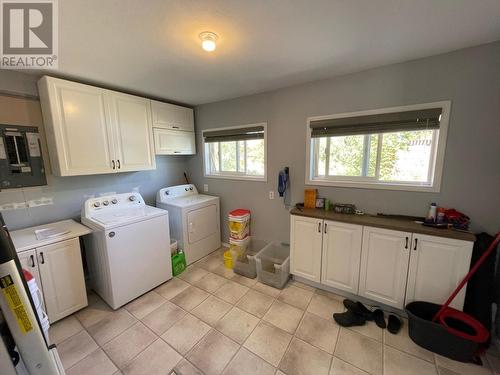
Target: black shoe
{"type": "Point", "coordinates": [394, 324]}
{"type": "Point", "coordinates": [349, 319]}
{"type": "Point", "coordinates": [358, 308]}
{"type": "Point", "coordinates": [378, 316]}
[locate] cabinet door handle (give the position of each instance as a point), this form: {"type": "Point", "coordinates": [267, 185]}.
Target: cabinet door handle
{"type": "Point", "coordinates": [325, 226]}
{"type": "Point", "coordinates": [113, 162]}
{"type": "Point", "coordinates": [32, 261]}
{"type": "Point", "coordinates": [406, 245]}
{"type": "Point", "coordinates": [42, 258]}
{"type": "Point", "coordinates": [319, 227]}
{"type": "Point", "coordinates": [416, 241]}
{"type": "Point", "coordinates": [177, 152]}
{"type": "Point", "coordinates": [119, 165]}
{"type": "Point", "coordinates": [175, 127]}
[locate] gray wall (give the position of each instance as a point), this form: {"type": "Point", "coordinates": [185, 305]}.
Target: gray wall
{"type": "Point", "coordinates": [470, 78]}
{"type": "Point", "coordinates": [69, 193]}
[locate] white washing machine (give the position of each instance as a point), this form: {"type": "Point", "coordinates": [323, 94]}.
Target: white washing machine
{"type": "Point", "coordinates": [128, 252]}
{"type": "Point", "coordinates": [194, 219]}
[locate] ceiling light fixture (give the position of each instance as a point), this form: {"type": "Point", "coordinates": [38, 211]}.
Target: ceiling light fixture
{"type": "Point", "coordinates": [208, 41]}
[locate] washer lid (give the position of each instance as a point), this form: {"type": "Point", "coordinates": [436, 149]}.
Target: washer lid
{"type": "Point", "coordinates": [122, 216]}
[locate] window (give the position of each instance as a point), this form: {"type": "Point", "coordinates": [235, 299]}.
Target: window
{"type": "Point", "coordinates": [236, 152]}
{"type": "Point", "coordinates": [395, 148]}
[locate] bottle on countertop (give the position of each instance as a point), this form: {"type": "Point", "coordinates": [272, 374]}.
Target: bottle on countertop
{"type": "Point", "coordinates": [431, 216]}
{"type": "Point", "coordinates": [441, 215]}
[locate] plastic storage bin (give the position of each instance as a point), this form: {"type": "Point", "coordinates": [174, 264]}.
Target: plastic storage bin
{"type": "Point", "coordinates": [239, 224]}
{"type": "Point", "coordinates": [244, 264]}
{"type": "Point", "coordinates": [273, 265]}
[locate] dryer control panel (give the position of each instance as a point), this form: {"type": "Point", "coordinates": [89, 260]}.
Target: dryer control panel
{"type": "Point", "coordinates": [177, 191]}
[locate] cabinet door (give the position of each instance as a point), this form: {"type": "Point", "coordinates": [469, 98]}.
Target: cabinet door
{"type": "Point", "coordinates": [437, 265]}
{"type": "Point", "coordinates": [133, 133]}
{"type": "Point", "coordinates": [384, 265]}
{"type": "Point", "coordinates": [170, 116]}
{"type": "Point", "coordinates": [78, 134]}
{"type": "Point", "coordinates": [61, 272]}
{"type": "Point", "coordinates": [29, 262]}
{"type": "Point", "coordinates": [305, 247]}
{"type": "Point", "coordinates": [174, 142]}
{"type": "Point", "coordinates": [341, 255]}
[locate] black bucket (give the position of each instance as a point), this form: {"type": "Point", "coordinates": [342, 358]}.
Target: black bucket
{"type": "Point", "coordinates": [435, 337]}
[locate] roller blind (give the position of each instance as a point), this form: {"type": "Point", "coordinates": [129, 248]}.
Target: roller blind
{"type": "Point", "coordinates": [379, 123]}
{"type": "Point", "coordinates": [239, 134]}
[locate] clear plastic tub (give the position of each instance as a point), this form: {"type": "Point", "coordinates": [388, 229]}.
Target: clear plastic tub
{"type": "Point", "coordinates": [244, 264]}
{"type": "Point", "coordinates": [273, 265]}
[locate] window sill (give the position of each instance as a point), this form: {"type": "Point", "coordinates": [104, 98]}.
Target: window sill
{"type": "Point", "coordinates": [374, 185]}
{"type": "Point", "coordinates": [241, 178]}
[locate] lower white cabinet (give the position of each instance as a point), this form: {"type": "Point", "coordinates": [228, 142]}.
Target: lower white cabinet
{"type": "Point", "coordinates": [60, 276]}
{"type": "Point", "coordinates": [384, 265]}
{"type": "Point", "coordinates": [341, 255]}
{"type": "Point", "coordinates": [305, 247]}
{"type": "Point", "coordinates": [174, 142]}
{"type": "Point", "coordinates": [437, 265]}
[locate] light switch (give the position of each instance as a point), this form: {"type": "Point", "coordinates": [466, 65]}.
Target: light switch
{"type": "Point", "coordinates": [205, 188]}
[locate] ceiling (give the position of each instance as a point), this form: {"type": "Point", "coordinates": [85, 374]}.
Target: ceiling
{"type": "Point", "coordinates": [152, 47]}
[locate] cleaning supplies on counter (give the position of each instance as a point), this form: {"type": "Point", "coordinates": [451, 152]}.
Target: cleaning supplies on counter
{"type": "Point", "coordinates": [310, 198]}
{"type": "Point", "coordinates": [431, 215]}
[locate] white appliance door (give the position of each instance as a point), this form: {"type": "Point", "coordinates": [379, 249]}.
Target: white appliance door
{"type": "Point", "coordinates": [202, 223]}
{"type": "Point", "coordinates": [139, 258]}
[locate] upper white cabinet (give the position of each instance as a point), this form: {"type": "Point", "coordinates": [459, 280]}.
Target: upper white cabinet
{"type": "Point", "coordinates": [341, 255]}
{"type": "Point", "coordinates": [437, 265]}
{"type": "Point", "coordinates": [174, 142]}
{"type": "Point", "coordinates": [305, 247]}
{"type": "Point", "coordinates": [92, 130]}
{"type": "Point", "coordinates": [170, 116]}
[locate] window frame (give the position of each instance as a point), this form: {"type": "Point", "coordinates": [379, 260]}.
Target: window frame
{"type": "Point", "coordinates": [437, 152]}
{"type": "Point", "coordinates": [233, 175]}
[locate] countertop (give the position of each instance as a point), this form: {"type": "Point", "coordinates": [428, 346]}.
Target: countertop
{"type": "Point", "coordinates": [405, 225]}
{"type": "Point", "coordinates": [25, 239]}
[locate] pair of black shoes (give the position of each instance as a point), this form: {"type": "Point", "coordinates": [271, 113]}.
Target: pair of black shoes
{"type": "Point", "coordinates": [357, 314]}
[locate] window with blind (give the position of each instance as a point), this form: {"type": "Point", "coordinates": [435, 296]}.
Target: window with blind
{"type": "Point", "coordinates": [395, 148]}
{"type": "Point", "coordinates": [236, 152]}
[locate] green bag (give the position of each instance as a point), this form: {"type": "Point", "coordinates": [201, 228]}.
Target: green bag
{"type": "Point", "coordinates": [178, 263]}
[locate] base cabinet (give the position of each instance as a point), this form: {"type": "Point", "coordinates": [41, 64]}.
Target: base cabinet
{"type": "Point", "coordinates": [29, 262]}
{"type": "Point", "coordinates": [305, 247]}
{"type": "Point", "coordinates": [341, 255]}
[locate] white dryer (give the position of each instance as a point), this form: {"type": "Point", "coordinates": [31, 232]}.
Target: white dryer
{"type": "Point", "coordinates": [194, 219]}
{"type": "Point", "coordinates": [128, 252]}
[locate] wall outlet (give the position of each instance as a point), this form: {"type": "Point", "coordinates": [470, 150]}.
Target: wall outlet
{"type": "Point", "coordinates": [271, 194]}
{"type": "Point", "coordinates": [205, 188]}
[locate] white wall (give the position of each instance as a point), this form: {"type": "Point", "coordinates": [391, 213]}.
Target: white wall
{"type": "Point", "coordinates": [470, 78]}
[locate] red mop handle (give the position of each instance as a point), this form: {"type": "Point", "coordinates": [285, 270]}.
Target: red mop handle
{"type": "Point", "coordinates": [468, 276]}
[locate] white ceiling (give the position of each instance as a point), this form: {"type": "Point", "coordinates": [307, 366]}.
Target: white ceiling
{"type": "Point", "coordinates": [152, 46]}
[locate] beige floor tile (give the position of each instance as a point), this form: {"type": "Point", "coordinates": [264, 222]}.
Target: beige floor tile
{"type": "Point", "coordinates": [111, 326]}
{"type": "Point", "coordinates": [268, 342]}
{"type": "Point", "coordinates": [284, 316]}
{"type": "Point", "coordinates": [301, 285]}
{"type": "Point", "coordinates": [213, 353]}
{"type": "Point", "coordinates": [211, 262]}
{"type": "Point", "coordinates": [403, 342]}
{"type": "Point", "coordinates": [371, 330]}
{"type": "Point", "coordinates": [184, 334]}
{"type": "Point", "coordinates": [158, 358]}
{"type": "Point", "coordinates": [184, 367]}
{"type": "Point", "coordinates": [96, 363]}
{"type": "Point", "coordinates": [243, 280]}
{"type": "Point", "coordinates": [340, 367]}
{"type": "Point", "coordinates": [171, 288]}
{"type": "Point", "coordinates": [255, 303]}
{"type": "Point", "coordinates": [319, 332]}
{"type": "Point", "coordinates": [304, 359]}
{"type": "Point", "coordinates": [445, 371]}
{"type": "Point", "coordinates": [463, 368]}
{"type": "Point", "coordinates": [211, 282]}
{"type": "Point", "coordinates": [128, 344]}
{"type": "Point", "coordinates": [142, 306]}
{"type": "Point", "coordinates": [192, 274]}
{"type": "Point", "coordinates": [399, 363]}
{"type": "Point", "coordinates": [331, 295]}
{"type": "Point", "coordinates": [295, 296]}
{"type": "Point", "coordinates": [94, 312]}
{"type": "Point", "coordinates": [227, 273]}
{"type": "Point", "coordinates": [237, 324]}
{"type": "Point", "coordinates": [324, 306]}
{"type": "Point", "coordinates": [189, 298]}
{"type": "Point", "coordinates": [64, 329]}
{"type": "Point", "coordinates": [360, 351]}
{"type": "Point", "coordinates": [211, 310]}
{"type": "Point", "coordinates": [163, 317]}
{"type": "Point", "coordinates": [76, 348]}
{"type": "Point", "coordinates": [266, 289]}
{"type": "Point", "coordinates": [231, 292]}
{"type": "Point", "coordinates": [247, 363]}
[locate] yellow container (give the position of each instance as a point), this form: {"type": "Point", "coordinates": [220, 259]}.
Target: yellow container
{"type": "Point", "coordinates": [228, 259]}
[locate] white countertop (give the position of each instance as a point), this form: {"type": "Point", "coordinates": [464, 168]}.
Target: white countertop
{"type": "Point", "coordinates": [25, 239]}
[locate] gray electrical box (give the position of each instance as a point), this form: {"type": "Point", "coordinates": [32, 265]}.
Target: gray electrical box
{"type": "Point", "coordinates": [21, 163]}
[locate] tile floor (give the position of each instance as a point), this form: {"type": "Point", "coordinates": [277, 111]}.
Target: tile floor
{"type": "Point", "coordinates": [210, 321]}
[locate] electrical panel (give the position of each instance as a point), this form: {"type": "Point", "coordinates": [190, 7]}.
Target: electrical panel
{"type": "Point", "coordinates": [21, 163]}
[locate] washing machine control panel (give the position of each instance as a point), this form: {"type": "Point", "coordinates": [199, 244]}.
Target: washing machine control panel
{"type": "Point", "coordinates": [114, 201]}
